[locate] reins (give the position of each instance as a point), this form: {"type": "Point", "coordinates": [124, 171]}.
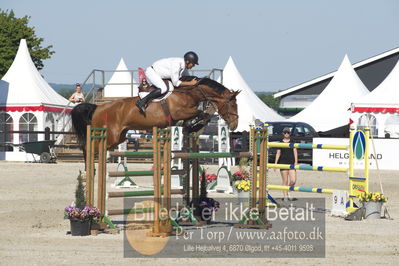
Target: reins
{"type": "Point", "coordinates": [209, 99]}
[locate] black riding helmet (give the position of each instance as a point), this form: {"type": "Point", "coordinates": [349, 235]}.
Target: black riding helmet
{"type": "Point", "coordinates": [191, 57]}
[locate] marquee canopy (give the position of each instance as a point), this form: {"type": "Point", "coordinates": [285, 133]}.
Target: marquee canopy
{"type": "Point", "coordinates": [251, 109]}
{"type": "Point", "coordinates": [23, 89]}
{"type": "Point", "coordinates": [331, 108]}
{"type": "Point", "coordinates": [384, 98]}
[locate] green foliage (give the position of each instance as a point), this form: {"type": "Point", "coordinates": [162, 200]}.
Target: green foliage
{"type": "Point", "coordinates": [12, 30]}
{"type": "Point", "coordinates": [66, 92]}
{"type": "Point", "coordinates": [80, 201]}
{"type": "Point", "coordinates": [269, 100]}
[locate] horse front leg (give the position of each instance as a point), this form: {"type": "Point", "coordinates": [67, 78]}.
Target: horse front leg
{"type": "Point", "coordinates": [114, 138]}
{"type": "Point", "coordinates": [198, 122]}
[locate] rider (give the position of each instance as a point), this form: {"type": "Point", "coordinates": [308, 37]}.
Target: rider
{"type": "Point", "coordinates": [168, 68]}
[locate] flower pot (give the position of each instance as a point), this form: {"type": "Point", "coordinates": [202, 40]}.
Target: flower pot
{"type": "Point", "coordinates": [80, 228]}
{"type": "Point", "coordinates": [373, 209]}
{"type": "Point", "coordinates": [235, 191]}
{"type": "Point", "coordinates": [243, 196]}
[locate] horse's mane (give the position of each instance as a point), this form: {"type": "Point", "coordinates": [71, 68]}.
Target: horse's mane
{"type": "Point", "coordinates": [188, 78]}
{"type": "Point", "coordinates": [219, 88]}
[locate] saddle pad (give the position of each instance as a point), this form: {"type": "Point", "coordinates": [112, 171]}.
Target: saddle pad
{"type": "Point", "coordinates": [169, 92]}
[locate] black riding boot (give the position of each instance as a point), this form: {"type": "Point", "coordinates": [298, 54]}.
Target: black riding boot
{"type": "Point", "coordinates": [142, 103]}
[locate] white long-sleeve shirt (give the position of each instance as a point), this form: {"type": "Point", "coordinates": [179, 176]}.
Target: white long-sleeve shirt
{"type": "Point", "coordinates": [170, 68]}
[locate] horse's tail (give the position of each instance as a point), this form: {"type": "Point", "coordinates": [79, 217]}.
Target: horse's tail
{"type": "Point", "coordinates": [81, 117]}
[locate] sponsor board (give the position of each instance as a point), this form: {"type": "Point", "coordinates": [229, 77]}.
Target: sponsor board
{"type": "Point", "coordinates": [385, 153]}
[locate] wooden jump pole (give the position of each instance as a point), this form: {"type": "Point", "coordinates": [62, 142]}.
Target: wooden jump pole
{"type": "Point", "coordinates": [140, 154]}
{"type": "Point", "coordinates": [89, 168]}
{"type": "Point", "coordinates": [123, 194]}
{"type": "Point", "coordinates": [140, 173]}
{"type": "Point", "coordinates": [157, 180]}
{"type": "Point", "coordinates": [254, 168]}
{"type": "Point", "coordinates": [194, 147]}
{"type": "Point", "coordinates": [186, 168]}
{"type": "Point", "coordinates": [102, 170]}
{"type": "Point", "coordinates": [262, 172]}
{"type": "Point", "coordinates": [129, 211]}
{"type": "Point", "coordinates": [162, 225]}
{"type": "Point", "coordinates": [96, 138]}
{"type": "Point", "coordinates": [198, 155]}
{"type": "Point", "coordinates": [258, 138]}
{"type": "Point", "coordinates": [166, 200]}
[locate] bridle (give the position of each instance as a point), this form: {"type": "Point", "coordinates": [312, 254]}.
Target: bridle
{"type": "Point", "coordinates": [225, 103]}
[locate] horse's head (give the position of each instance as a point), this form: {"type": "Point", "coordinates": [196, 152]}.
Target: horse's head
{"type": "Point", "coordinates": [224, 99]}
{"type": "Point", "coordinates": [227, 108]}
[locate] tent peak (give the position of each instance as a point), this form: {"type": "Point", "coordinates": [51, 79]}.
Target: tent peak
{"type": "Point", "coordinates": [345, 61]}
{"type": "Point", "coordinates": [121, 65]}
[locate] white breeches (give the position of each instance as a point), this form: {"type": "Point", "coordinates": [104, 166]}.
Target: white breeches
{"type": "Point", "coordinates": [154, 79]}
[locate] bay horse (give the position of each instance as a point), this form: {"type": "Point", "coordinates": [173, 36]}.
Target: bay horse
{"type": "Point", "coordinates": [121, 115]}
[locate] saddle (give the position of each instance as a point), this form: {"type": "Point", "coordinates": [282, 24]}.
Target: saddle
{"type": "Point", "coordinates": [145, 87]}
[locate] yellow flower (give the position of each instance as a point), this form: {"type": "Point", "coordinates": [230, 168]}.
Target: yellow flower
{"type": "Point", "coordinates": [371, 196]}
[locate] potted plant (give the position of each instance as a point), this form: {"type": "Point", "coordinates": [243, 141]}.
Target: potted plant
{"type": "Point", "coordinates": [372, 203]}
{"type": "Point", "coordinates": [239, 176]}
{"type": "Point", "coordinates": [210, 180]}
{"type": "Point", "coordinates": [80, 215]}
{"type": "Point", "coordinates": [242, 187]}
{"type": "Point", "coordinates": [81, 219]}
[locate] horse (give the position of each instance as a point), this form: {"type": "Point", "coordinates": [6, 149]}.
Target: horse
{"type": "Point", "coordinates": [121, 115]}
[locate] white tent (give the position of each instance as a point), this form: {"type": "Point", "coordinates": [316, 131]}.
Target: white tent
{"type": "Point", "coordinates": [250, 107]}
{"type": "Point", "coordinates": [27, 102]}
{"type": "Point", "coordinates": [331, 108]}
{"type": "Point", "coordinates": [380, 108]}
{"type": "Point", "coordinates": [23, 85]}
{"type": "Point", "coordinates": [121, 83]}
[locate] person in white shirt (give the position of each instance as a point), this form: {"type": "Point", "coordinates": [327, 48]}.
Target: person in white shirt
{"type": "Point", "coordinates": [167, 68]}
{"type": "Point", "coordinates": [77, 97]}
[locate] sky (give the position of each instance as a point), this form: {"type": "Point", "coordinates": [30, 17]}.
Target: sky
{"type": "Point", "coordinates": [275, 44]}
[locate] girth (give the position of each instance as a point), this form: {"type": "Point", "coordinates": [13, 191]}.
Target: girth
{"type": "Point", "coordinates": [165, 108]}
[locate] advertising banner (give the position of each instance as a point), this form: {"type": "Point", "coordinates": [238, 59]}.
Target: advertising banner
{"type": "Point", "coordinates": [385, 154]}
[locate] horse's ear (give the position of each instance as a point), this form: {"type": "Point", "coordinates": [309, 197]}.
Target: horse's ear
{"type": "Point", "coordinates": [234, 94]}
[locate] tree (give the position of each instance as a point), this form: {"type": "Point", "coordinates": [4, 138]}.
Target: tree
{"type": "Point", "coordinates": [12, 30]}
{"type": "Point", "coordinates": [269, 100]}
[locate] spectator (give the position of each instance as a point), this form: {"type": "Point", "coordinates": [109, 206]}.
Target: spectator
{"type": "Point", "coordinates": [77, 96]}
{"type": "Point", "coordinates": [287, 156]}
